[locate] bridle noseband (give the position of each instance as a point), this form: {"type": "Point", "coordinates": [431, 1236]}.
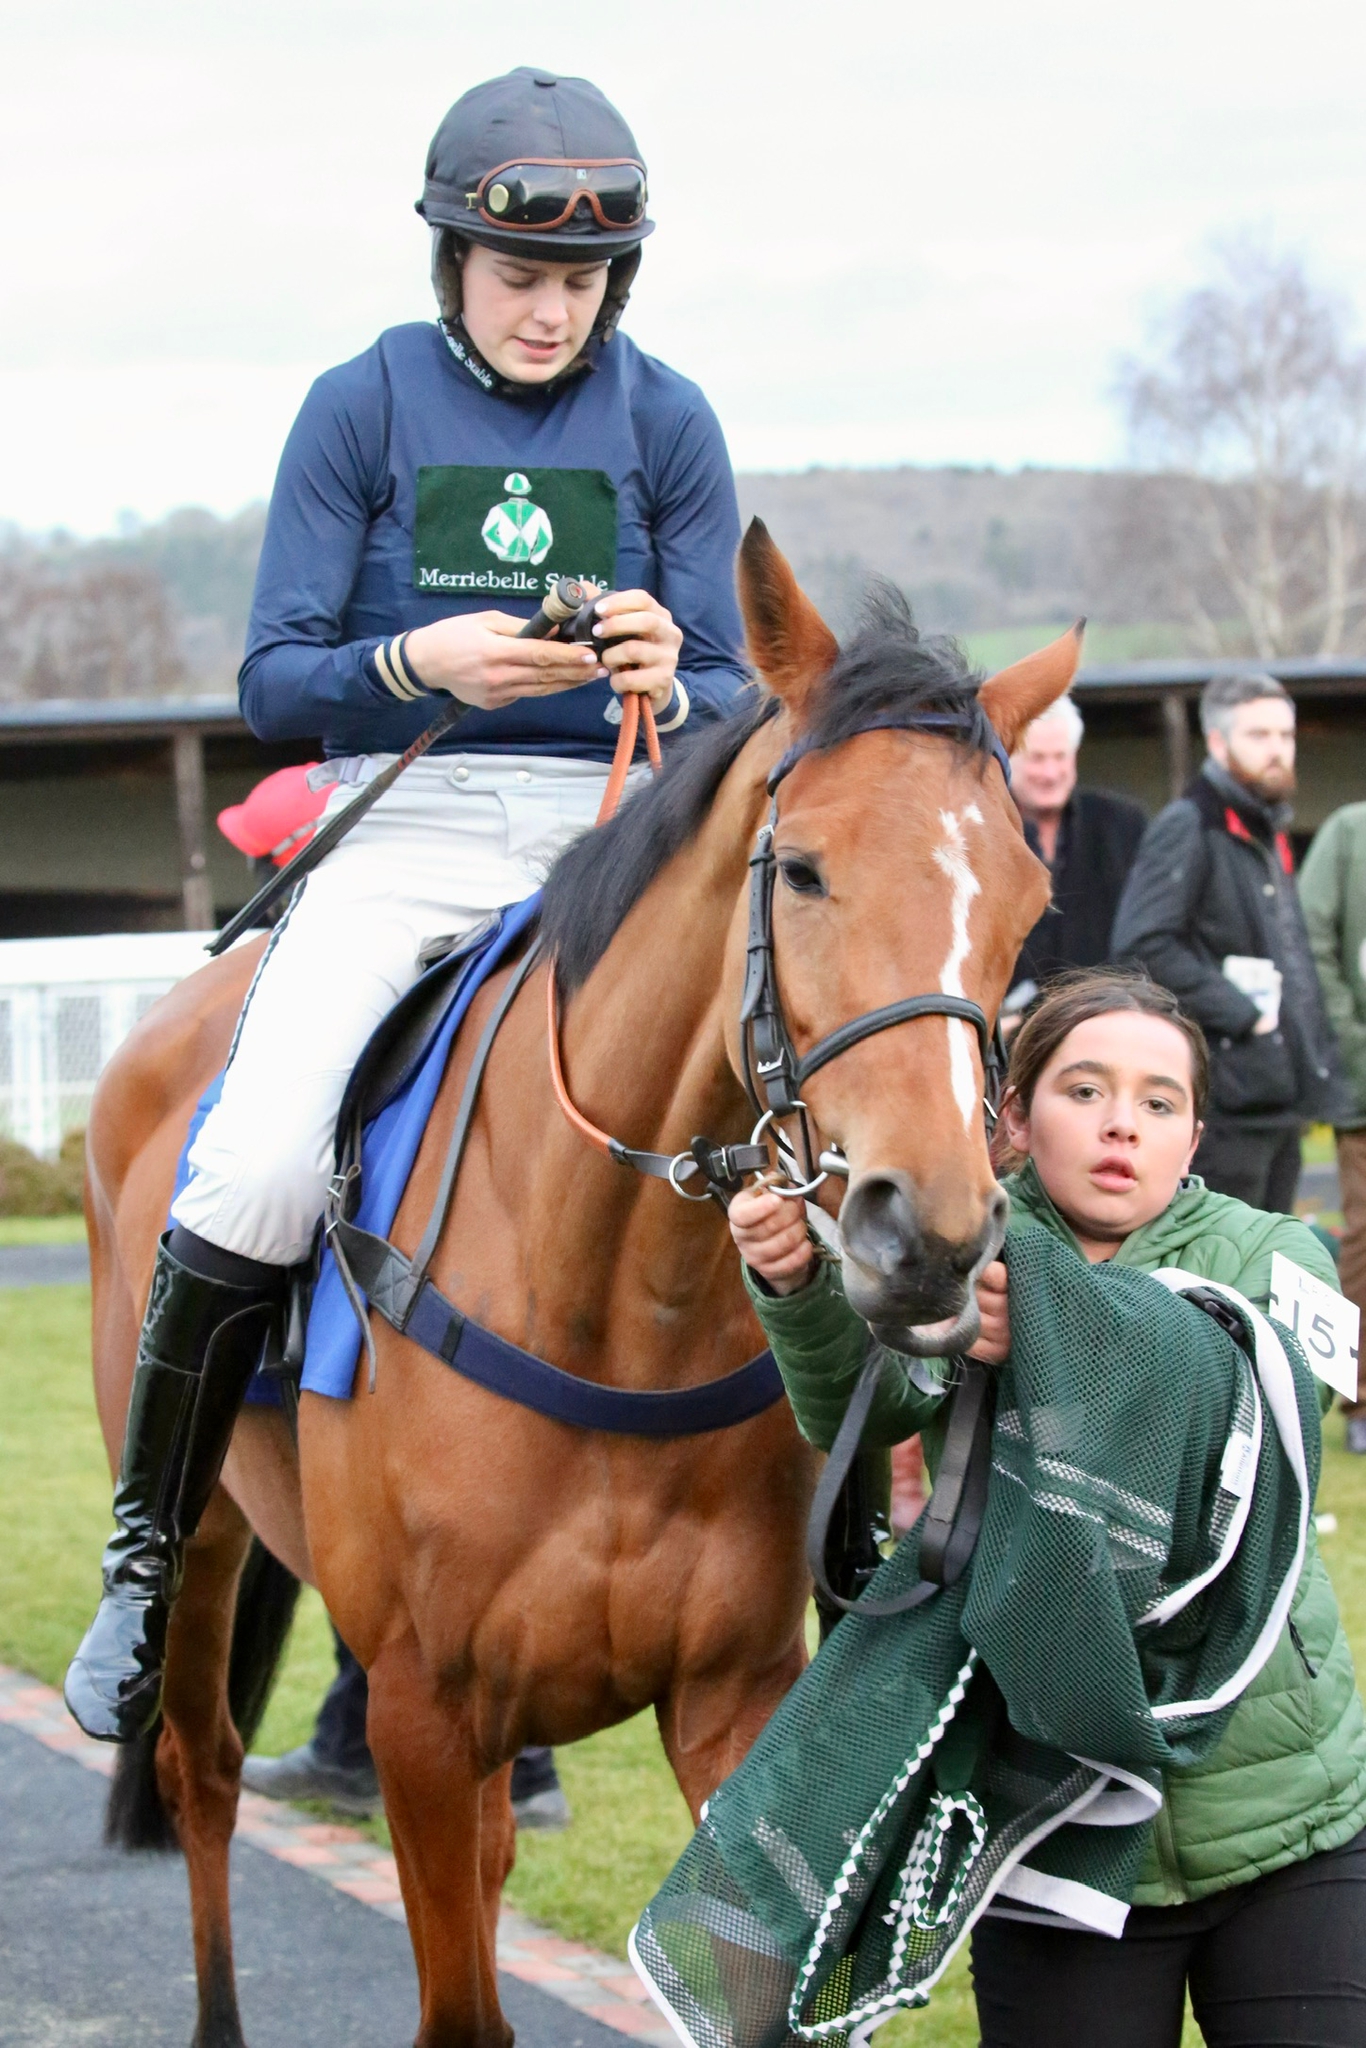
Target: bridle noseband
{"type": "Point", "coordinates": [770, 1062]}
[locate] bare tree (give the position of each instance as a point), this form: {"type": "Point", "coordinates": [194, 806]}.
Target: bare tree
{"type": "Point", "coordinates": [1254, 390]}
{"type": "Point", "coordinates": [85, 629]}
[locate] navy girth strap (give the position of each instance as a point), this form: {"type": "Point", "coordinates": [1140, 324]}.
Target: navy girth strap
{"type": "Point", "coordinates": [425, 1315]}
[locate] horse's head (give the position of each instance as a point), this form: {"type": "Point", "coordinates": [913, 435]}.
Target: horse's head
{"type": "Point", "coordinates": [901, 870]}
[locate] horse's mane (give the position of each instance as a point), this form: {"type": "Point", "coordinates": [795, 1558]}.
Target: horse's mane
{"type": "Point", "coordinates": [886, 671]}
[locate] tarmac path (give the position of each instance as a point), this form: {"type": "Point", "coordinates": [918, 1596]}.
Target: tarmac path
{"type": "Point", "coordinates": [95, 1944]}
{"type": "Point", "coordinates": [44, 1265]}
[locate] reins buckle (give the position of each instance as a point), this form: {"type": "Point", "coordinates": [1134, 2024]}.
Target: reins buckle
{"type": "Point", "coordinates": [337, 1201]}
{"type": "Point", "coordinates": [795, 1191]}
{"type": "Point", "coordinates": [684, 1165]}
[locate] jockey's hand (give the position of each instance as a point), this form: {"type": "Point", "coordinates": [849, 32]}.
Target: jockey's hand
{"type": "Point", "coordinates": [645, 661]}
{"type": "Point", "coordinates": [993, 1346]}
{"type": "Point", "coordinates": [770, 1235]}
{"type": "Point", "coordinates": [480, 659]}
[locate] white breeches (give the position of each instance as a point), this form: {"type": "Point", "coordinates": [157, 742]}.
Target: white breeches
{"type": "Point", "coordinates": [454, 839]}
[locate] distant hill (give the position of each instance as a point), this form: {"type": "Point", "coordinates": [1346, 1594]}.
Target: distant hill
{"type": "Point", "coordinates": [972, 548]}
{"type": "Point", "coordinates": [993, 556]}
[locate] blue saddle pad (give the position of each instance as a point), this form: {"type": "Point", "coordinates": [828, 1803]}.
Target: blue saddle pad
{"type": "Point", "coordinates": [389, 1147]}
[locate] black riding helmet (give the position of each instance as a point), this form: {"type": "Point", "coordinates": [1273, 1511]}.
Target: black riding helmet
{"type": "Point", "coordinates": [539, 166]}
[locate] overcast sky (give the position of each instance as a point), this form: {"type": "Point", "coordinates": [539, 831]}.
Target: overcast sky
{"type": "Point", "coordinates": [888, 232]}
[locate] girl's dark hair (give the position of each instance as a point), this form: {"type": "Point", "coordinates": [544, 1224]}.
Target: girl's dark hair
{"type": "Point", "coordinates": [1074, 999]}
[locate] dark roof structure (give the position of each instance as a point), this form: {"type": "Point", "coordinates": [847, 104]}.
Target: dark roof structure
{"type": "Point", "coordinates": [107, 806]}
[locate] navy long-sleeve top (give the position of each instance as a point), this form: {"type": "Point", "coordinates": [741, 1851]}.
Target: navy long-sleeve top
{"type": "Point", "coordinates": [408, 492]}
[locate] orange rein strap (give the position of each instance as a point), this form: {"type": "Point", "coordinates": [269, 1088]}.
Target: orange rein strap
{"type": "Point", "coordinates": [599, 1140]}
{"type": "Point", "coordinates": [719, 1166]}
{"type": "Point", "coordinates": [632, 705]}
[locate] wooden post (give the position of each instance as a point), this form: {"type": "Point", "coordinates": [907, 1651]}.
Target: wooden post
{"type": "Point", "coordinates": [1176, 742]}
{"type": "Point", "coordinates": [187, 750]}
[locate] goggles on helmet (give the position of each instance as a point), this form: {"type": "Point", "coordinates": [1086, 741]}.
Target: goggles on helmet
{"type": "Point", "coordinates": [542, 193]}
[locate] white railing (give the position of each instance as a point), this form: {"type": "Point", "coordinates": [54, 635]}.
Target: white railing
{"type": "Point", "coordinates": [65, 1006]}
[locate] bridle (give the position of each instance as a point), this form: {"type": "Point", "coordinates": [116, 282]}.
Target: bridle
{"type": "Point", "coordinates": [773, 1073]}
{"type": "Point", "coordinates": [770, 1060]}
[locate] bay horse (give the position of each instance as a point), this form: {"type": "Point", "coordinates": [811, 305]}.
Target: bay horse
{"type": "Point", "coordinates": [507, 1579]}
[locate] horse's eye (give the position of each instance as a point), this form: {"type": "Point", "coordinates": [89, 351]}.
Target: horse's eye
{"type": "Point", "coordinates": [802, 875]}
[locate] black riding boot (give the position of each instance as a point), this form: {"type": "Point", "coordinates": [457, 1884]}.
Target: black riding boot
{"type": "Point", "coordinates": [201, 1342]}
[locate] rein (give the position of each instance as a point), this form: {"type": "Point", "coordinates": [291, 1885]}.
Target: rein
{"type": "Point", "coordinates": [722, 1166]}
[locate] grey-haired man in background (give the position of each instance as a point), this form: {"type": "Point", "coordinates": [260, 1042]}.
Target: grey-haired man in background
{"type": "Point", "coordinates": [1087, 839]}
{"type": "Point", "coordinates": [1211, 910]}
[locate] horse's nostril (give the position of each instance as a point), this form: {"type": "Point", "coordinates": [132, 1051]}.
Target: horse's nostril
{"type": "Point", "coordinates": [878, 1223]}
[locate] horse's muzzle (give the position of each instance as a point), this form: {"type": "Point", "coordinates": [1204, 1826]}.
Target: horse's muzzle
{"type": "Point", "coordinates": [916, 1289]}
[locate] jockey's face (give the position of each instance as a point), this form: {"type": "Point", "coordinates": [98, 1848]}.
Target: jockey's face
{"type": "Point", "coordinates": [529, 319]}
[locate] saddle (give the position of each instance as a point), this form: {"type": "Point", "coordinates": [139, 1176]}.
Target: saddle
{"type": "Point", "coordinates": [453, 971]}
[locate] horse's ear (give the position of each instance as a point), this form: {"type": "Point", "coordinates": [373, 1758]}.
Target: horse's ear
{"type": "Point", "coordinates": [789, 642]}
{"type": "Point", "coordinates": [1015, 696]}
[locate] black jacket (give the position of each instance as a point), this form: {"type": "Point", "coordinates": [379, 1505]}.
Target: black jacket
{"type": "Point", "coordinates": [1214, 876]}
{"type": "Point", "coordinates": [1098, 837]}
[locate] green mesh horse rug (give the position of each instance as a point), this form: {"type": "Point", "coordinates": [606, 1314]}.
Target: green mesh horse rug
{"type": "Point", "coordinates": [1152, 1475]}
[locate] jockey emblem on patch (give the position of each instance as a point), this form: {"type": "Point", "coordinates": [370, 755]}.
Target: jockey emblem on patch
{"type": "Point", "coordinates": [517, 530]}
{"type": "Point", "coordinates": [510, 533]}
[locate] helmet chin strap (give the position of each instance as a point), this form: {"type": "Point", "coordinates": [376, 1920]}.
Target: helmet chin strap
{"type": "Point", "coordinates": [621, 275]}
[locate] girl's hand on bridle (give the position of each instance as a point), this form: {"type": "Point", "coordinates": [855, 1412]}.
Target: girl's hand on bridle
{"type": "Point", "coordinates": [770, 1236]}
{"type": "Point", "coordinates": [646, 661]}
{"type": "Point", "coordinates": [480, 659]}
{"type": "Point", "coordinates": [993, 1301]}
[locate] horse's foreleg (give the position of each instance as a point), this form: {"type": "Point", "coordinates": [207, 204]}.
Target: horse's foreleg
{"type": "Point", "coordinates": [709, 1720]}
{"type": "Point", "coordinates": [497, 1848]}
{"type": "Point", "coordinates": [453, 1845]}
{"type": "Point", "coordinates": [199, 1757]}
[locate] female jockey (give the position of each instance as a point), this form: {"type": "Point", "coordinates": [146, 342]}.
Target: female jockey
{"type": "Point", "coordinates": [429, 494]}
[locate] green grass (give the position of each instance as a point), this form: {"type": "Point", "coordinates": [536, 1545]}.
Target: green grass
{"type": "Point", "coordinates": [54, 1479]}
{"type": "Point", "coordinates": [42, 1230]}
{"type": "Point", "coordinates": [997, 645]}
{"type": "Point", "coordinates": [629, 1821]}
{"type": "Point", "coordinates": [1319, 1147]}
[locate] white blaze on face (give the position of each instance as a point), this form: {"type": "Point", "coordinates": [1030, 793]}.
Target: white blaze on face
{"type": "Point", "coordinates": [952, 857]}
